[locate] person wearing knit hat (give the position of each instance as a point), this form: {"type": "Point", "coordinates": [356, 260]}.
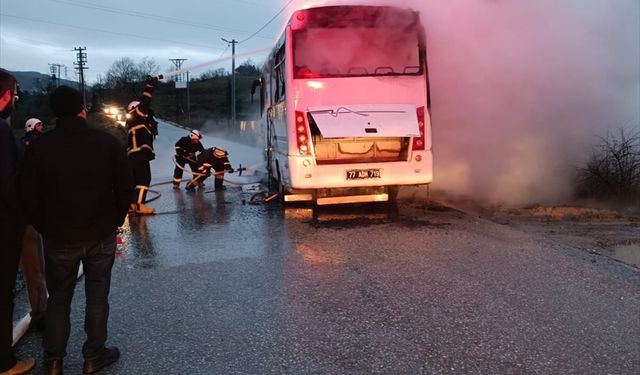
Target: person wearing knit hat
{"type": "Point", "coordinates": [75, 187]}
{"type": "Point", "coordinates": [66, 101]}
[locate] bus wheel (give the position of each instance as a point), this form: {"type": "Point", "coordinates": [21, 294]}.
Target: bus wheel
{"type": "Point", "coordinates": [392, 192]}
{"type": "Point", "coordinates": [392, 202]}
{"type": "Point", "coordinates": [279, 182]}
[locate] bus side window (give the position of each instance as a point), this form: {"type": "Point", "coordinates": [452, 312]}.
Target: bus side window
{"type": "Point", "coordinates": [263, 101]}
{"type": "Point", "coordinates": [275, 85]}
{"type": "Point", "coordinates": [278, 76]}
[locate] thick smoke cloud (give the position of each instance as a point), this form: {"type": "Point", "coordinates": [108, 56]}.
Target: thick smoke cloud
{"type": "Point", "coordinates": [522, 89]}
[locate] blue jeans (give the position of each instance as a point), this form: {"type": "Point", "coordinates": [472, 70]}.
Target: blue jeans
{"type": "Point", "coordinates": [62, 263]}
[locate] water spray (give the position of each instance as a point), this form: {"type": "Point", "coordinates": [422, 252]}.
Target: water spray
{"type": "Point", "coordinates": [208, 63]}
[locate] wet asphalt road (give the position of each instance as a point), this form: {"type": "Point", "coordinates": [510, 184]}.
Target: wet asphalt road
{"type": "Point", "coordinates": [215, 286]}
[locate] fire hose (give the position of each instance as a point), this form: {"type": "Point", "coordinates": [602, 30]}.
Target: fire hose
{"type": "Point", "coordinates": [240, 170]}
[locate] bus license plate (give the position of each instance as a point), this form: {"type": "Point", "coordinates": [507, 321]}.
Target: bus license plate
{"type": "Point", "coordinates": [359, 174]}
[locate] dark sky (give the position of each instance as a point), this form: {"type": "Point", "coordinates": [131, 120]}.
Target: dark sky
{"type": "Point", "coordinates": [35, 33]}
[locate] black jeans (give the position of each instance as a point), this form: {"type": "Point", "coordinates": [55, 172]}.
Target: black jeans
{"type": "Point", "coordinates": [10, 245]}
{"type": "Point", "coordinates": [62, 263]}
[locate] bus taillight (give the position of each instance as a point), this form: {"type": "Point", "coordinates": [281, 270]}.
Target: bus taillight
{"type": "Point", "coordinates": [302, 134]}
{"type": "Point", "coordinates": [419, 142]}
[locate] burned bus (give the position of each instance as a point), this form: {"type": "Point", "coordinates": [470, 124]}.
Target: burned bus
{"type": "Point", "coordinates": [345, 105]}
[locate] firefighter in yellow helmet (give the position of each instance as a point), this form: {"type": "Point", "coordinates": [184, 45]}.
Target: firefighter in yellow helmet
{"type": "Point", "coordinates": [216, 158]}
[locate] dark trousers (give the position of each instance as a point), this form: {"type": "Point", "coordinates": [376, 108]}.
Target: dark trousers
{"type": "Point", "coordinates": [177, 172]}
{"type": "Point", "coordinates": [10, 245]}
{"type": "Point", "coordinates": [32, 267]}
{"type": "Point", "coordinates": [62, 263]}
{"type": "Point", "coordinates": [141, 176]}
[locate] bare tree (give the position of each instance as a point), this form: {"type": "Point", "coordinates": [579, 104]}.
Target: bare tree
{"type": "Point", "coordinates": [613, 170]}
{"type": "Point", "coordinates": [121, 73]}
{"type": "Point", "coordinates": [148, 67]}
{"type": "Point", "coordinates": [209, 74]}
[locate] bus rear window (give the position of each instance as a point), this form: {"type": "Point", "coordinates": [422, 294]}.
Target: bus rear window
{"type": "Point", "coordinates": [356, 51]}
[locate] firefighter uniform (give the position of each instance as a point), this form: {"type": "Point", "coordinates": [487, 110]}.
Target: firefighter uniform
{"type": "Point", "coordinates": [186, 151]}
{"type": "Point", "coordinates": [140, 148]}
{"type": "Point", "coordinates": [216, 158]}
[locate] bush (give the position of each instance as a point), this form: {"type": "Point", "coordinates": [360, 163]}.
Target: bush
{"type": "Point", "coordinates": [612, 173]}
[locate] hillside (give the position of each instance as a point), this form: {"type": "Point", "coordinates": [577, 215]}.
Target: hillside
{"type": "Point", "coordinates": [34, 81]}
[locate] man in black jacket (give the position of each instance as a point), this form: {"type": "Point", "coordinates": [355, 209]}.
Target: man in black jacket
{"type": "Point", "coordinates": [76, 186]}
{"type": "Point", "coordinates": [11, 228]}
{"type": "Point", "coordinates": [140, 147]}
{"type": "Point", "coordinates": [187, 149]}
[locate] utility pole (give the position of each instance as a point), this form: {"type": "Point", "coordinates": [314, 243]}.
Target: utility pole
{"type": "Point", "coordinates": [188, 99]}
{"type": "Point", "coordinates": [233, 43]}
{"type": "Point", "coordinates": [80, 67]}
{"type": "Point", "coordinates": [178, 83]}
{"type": "Point", "coordinates": [55, 71]}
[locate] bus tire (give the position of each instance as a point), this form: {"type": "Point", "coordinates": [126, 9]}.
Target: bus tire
{"type": "Point", "coordinates": [279, 182]}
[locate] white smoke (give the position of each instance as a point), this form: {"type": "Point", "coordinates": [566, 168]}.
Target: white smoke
{"type": "Point", "coordinates": [520, 90]}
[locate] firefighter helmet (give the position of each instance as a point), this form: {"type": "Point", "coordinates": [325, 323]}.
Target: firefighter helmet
{"type": "Point", "coordinates": [31, 124]}
{"type": "Point", "coordinates": [195, 135]}
{"type": "Point", "coordinates": [219, 152]}
{"type": "Point", "coordinates": [133, 105]}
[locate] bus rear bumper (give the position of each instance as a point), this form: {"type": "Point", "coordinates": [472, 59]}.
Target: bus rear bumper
{"type": "Point", "coordinates": [353, 199]}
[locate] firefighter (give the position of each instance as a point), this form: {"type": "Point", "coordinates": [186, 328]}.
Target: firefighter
{"type": "Point", "coordinates": [187, 149]}
{"type": "Point", "coordinates": [34, 129]}
{"type": "Point", "coordinates": [153, 123]}
{"type": "Point", "coordinates": [140, 147]}
{"type": "Point", "coordinates": [216, 158]}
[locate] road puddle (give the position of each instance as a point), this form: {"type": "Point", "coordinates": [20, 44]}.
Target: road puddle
{"type": "Point", "coordinates": [629, 254]}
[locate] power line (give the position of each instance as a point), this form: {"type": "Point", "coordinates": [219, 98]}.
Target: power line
{"type": "Point", "coordinates": [109, 32]}
{"type": "Point", "coordinates": [150, 16]}
{"type": "Point", "coordinates": [266, 24]}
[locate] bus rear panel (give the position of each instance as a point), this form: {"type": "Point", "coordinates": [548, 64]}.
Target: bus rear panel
{"type": "Point", "coordinates": [347, 105]}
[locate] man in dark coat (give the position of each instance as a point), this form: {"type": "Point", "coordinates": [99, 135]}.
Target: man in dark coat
{"type": "Point", "coordinates": [76, 186]}
{"type": "Point", "coordinates": [216, 158]}
{"type": "Point", "coordinates": [11, 228]}
{"type": "Point", "coordinates": [187, 149]}
{"type": "Point", "coordinates": [140, 148]}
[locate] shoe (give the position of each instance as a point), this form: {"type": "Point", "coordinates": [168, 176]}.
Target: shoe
{"type": "Point", "coordinates": [132, 208]}
{"type": "Point", "coordinates": [141, 209]}
{"type": "Point", "coordinates": [52, 367]}
{"type": "Point", "coordinates": [107, 357]}
{"type": "Point", "coordinates": [176, 185]}
{"type": "Point", "coordinates": [22, 366]}
{"type": "Point", "coordinates": [218, 188]}
{"type": "Point", "coordinates": [201, 185]}
{"type": "Point", "coordinates": [190, 187]}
